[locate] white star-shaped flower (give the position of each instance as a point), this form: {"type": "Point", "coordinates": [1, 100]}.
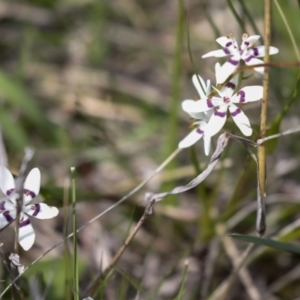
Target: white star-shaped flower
{"type": "Point", "coordinates": [8, 209]}
{"type": "Point", "coordinates": [226, 100]}
{"type": "Point", "coordinates": [202, 118]}
{"type": "Point", "coordinates": [245, 52]}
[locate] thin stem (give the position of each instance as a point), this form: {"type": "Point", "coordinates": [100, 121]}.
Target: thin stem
{"type": "Point", "coordinates": [75, 254]}
{"type": "Point", "coordinates": [132, 192]}
{"type": "Point", "coordinates": [264, 116]}
{"type": "Point", "coordinates": [172, 137]}
{"type": "Point", "coordinates": [288, 28]}
{"type": "Point", "coordinates": [236, 15]}
{"type": "Point", "coordinates": [97, 282]}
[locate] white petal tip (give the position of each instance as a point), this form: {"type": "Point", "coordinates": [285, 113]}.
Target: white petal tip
{"type": "Point", "coordinates": [188, 105]}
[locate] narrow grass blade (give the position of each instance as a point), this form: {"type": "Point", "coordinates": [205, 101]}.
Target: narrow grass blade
{"type": "Point", "coordinates": [172, 137]}
{"type": "Point", "coordinates": [267, 242]}
{"type": "Point", "coordinates": [183, 282]}
{"type": "Point", "coordinates": [236, 15]}
{"type": "Point", "coordinates": [75, 255]}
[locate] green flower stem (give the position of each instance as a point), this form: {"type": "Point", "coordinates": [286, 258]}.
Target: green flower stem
{"type": "Point", "coordinates": [75, 254]}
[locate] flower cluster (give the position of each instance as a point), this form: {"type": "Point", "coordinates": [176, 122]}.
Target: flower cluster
{"type": "Point", "coordinates": [210, 112]}
{"type": "Point", "coordinates": [8, 206]}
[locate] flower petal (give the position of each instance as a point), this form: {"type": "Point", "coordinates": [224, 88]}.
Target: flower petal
{"type": "Point", "coordinates": [216, 121]}
{"type": "Point", "coordinates": [193, 137]}
{"type": "Point", "coordinates": [26, 233]}
{"type": "Point", "coordinates": [199, 116]}
{"type": "Point", "coordinates": [241, 120]}
{"type": "Point", "coordinates": [273, 50]}
{"type": "Point", "coordinates": [192, 107]}
{"type": "Point", "coordinates": [32, 185]}
{"type": "Point", "coordinates": [218, 72]}
{"type": "Point", "coordinates": [251, 60]}
{"type": "Point", "coordinates": [228, 68]}
{"type": "Point", "coordinates": [207, 143]}
{"type": "Point", "coordinates": [7, 213]}
{"type": "Point", "coordinates": [228, 42]}
{"type": "Point", "coordinates": [248, 94]}
{"type": "Point", "coordinates": [249, 41]}
{"type": "Point", "coordinates": [230, 86]}
{"type": "Point", "coordinates": [217, 53]}
{"type": "Point", "coordinates": [259, 51]}
{"type": "Point", "coordinates": [41, 211]}
{"type": "Point", "coordinates": [200, 85]}
{"type": "Point", "coordinates": [7, 182]}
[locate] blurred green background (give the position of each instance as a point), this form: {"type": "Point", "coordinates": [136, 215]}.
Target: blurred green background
{"type": "Point", "coordinates": [98, 85]}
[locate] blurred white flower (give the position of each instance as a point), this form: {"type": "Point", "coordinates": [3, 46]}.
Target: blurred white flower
{"type": "Point", "coordinates": [8, 210]}
{"type": "Point", "coordinates": [245, 52]}
{"type": "Point", "coordinates": [201, 118]}
{"type": "Point", "coordinates": [226, 100]}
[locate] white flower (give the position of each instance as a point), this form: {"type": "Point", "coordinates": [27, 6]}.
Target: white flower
{"type": "Point", "coordinates": [8, 209]}
{"type": "Point", "coordinates": [226, 100]}
{"type": "Point", "coordinates": [245, 52]}
{"type": "Point", "coordinates": [202, 118]}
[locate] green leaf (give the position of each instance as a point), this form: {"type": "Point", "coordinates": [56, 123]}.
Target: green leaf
{"type": "Point", "coordinates": [18, 96]}
{"type": "Point", "coordinates": [267, 242]}
{"type": "Point", "coordinates": [12, 131]}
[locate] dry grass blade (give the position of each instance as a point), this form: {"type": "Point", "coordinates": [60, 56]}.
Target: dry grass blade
{"type": "Point", "coordinates": [233, 253]}
{"type": "Point", "coordinates": [221, 144]}
{"type": "Point", "coordinates": [92, 289]}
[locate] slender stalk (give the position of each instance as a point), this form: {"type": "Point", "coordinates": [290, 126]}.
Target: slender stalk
{"type": "Point", "coordinates": [132, 192]}
{"type": "Point", "coordinates": [97, 282]}
{"type": "Point", "coordinates": [183, 282]}
{"type": "Point", "coordinates": [261, 226]}
{"type": "Point", "coordinates": [172, 137]}
{"type": "Point", "coordinates": [75, 250]}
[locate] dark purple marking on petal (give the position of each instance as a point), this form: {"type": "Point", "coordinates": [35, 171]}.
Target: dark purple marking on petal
{"type": "Point", "coordinates": [226, 51]}
{"type": "Point", "coordinates": [29, 193]}
{"type": "Point", "coordinates": [246, 43]}
{"type": "Point", "coordinates": [8, 217]}
{"type": "Point", "coordinates": [255, 51]}
{"type": "Point", "coordinates": [24, 223]}
{"type": "Point", "coordinates": [228, 44]}
{"type": "Point", "coordinates": [233, 62]}
{"type": "Point", "coordinates": [220, 114]}
{"type": "Point", "coordinates": [236, 112]}
{"type": "Point", "coordinates": [209, 104]}
{"type": "Point", "coordinates": [36, 208]}
{"type": "Point", "coordinates": [2, 205]}
{"type": "Point", "coordinates": [242, 95]}
{"type": "Point", "coordinates": [8, 192]}
{"type": "Point", "coordinates": [199, 131]}
{"type": "Point", "coordinates": [230, 85]}
{"type": "Point", "coordinates": [249, 58]}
